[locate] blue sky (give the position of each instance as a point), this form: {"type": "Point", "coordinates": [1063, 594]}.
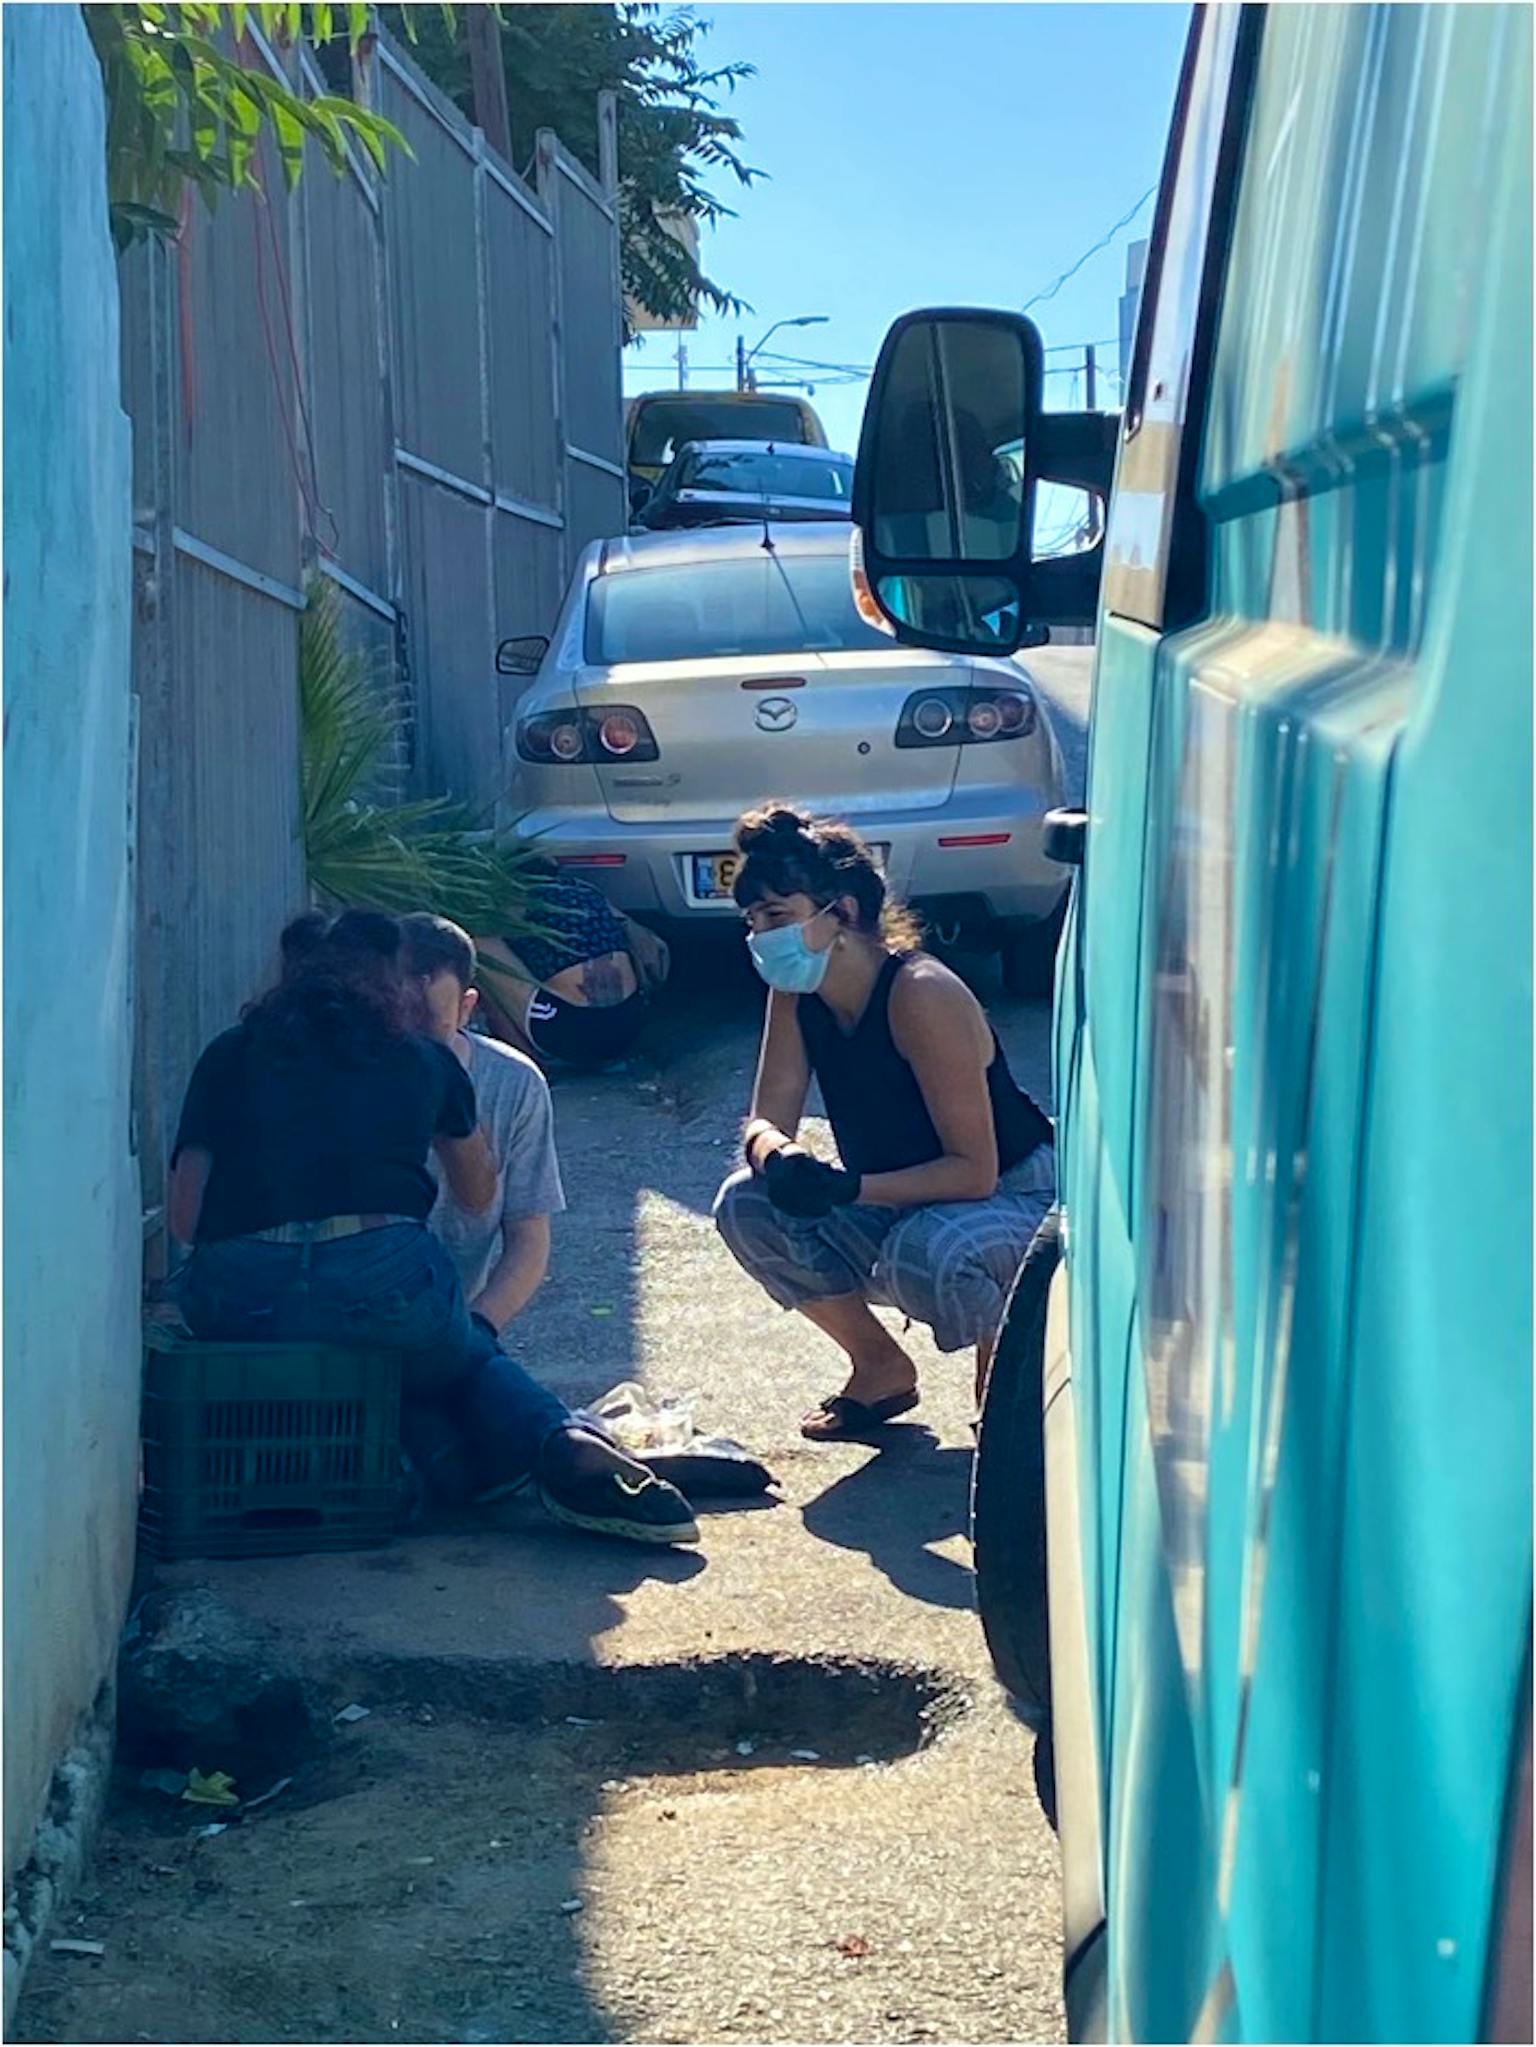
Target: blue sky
{"type": "Point", "coordinates": [928, 153]}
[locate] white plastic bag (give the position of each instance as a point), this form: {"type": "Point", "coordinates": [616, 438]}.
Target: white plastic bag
{"type": "Point", "coordinates": [638, 1421]}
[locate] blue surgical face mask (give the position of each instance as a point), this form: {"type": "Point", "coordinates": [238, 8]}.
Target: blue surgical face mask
{"type": "Point", "coordinates": [784, 959]}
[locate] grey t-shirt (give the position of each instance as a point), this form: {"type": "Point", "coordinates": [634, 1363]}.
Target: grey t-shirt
{"type": "Point", "coordinates": [518, 1119]}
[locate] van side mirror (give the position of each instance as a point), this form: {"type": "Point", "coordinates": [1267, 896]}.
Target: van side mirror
{"type": "Point", "coordinates": [522, 657]}
{"type": "Point", "coordinates": [954, 447]}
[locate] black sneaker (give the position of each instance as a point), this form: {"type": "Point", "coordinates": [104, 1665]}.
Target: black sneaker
{"type": "Point", "coordinates": [636, 1507]}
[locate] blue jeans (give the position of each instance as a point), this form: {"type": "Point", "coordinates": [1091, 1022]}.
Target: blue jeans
{"type": "Point", "coordinates": [386, 1289]}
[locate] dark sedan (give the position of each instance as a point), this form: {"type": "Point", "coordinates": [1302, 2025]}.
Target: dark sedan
{"type": "Point", "coordinates": [718, 483]}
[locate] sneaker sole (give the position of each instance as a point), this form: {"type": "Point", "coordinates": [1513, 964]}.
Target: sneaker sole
{"type": "Point", "coordinates": [627, 1531]}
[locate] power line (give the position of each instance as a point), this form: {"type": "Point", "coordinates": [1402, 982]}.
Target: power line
{"type": "Point", "coordinates": [1103, 242]}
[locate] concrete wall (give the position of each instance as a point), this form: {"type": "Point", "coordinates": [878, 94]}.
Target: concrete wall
{"type": "Point", "coordinates": [72, 1223]}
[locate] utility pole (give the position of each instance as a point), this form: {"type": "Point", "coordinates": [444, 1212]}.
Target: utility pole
{"type": "Point", "coordinates": [1091, 375]}
{"type": "Point", "coordinates": [741, 363]}
{"type": "Point", "coordinates": [488, 78]}
{"type": "Point", "coordinates": [682, 365]}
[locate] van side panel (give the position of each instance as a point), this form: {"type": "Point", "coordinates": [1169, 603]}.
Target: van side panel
{"type": "Point", "coordinates": [1296, 1158]}
{"type": "Point", "coordinates": [1436, 1549]}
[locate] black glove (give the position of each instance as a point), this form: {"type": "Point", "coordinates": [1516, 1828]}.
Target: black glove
{"type": "Point", "coordinates": [802, 1186]}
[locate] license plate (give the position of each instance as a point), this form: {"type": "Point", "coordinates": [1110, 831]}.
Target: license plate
{"type": "Point", "coordinates": [713, 874]}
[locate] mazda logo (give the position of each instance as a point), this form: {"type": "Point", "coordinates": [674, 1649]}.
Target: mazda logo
{"type": "Point", "coordinates": [776, 714]}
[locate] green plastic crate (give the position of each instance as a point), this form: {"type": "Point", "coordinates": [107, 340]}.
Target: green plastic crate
{"type": "Point", "coordinates": [267, 1449]}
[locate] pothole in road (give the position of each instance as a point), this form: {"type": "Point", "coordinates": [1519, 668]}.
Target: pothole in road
{"type": "Point", "coordinates": [529, 1853]}
{"type": "Point", "coordinates": [726, 1710]}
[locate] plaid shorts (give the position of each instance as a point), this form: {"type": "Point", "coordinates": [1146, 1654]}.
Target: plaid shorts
{"type": "Point", "coordinates": [948, 1266]}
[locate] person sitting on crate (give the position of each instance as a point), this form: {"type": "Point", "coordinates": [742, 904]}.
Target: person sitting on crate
{"type": "Point", "coordinates": [300, 1178]}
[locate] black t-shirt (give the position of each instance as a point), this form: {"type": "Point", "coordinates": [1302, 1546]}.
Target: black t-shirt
{"type": "Point", "coordinates": [299, 1135]}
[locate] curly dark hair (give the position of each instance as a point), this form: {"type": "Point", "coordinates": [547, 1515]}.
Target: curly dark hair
{"type": "Point", "coordinates": [789, 852]}
{"type": "Point", "coordinates": [340, 990]}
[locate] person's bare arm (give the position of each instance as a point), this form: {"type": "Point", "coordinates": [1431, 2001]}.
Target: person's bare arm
{"type": "Point", "coordinates": [941, 1032]}
{"type": "Point", "coordinates": [184, 1196]}
{"type": "Point", "coordinates": [782, 1084]}
{"type": "Point", "coordinates": [517, 1274]}
{"type": "Point", "coordinates": [469, 1170]}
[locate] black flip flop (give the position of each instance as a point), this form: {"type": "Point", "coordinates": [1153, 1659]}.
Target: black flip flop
{"type": "Point", "coordinates": [855, 1419]}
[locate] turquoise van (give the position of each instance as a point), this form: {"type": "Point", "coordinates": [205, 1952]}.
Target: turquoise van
{"type": "Point", "coordinates": [1253, 1501]}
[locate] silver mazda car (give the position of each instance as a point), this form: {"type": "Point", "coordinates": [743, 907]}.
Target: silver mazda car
{"type": "Point", "coordinates": [693, 674]}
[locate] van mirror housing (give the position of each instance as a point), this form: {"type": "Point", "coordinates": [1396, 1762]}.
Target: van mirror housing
{"type": "Point", "coordinates": [954, 446]}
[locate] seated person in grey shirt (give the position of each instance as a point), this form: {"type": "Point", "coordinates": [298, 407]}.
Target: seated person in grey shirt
{"type": "Point", "coordinates": [503, 1254]}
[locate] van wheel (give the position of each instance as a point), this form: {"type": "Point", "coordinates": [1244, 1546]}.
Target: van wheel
{"type": "Point", "coordinates": [1008, 1488]}
{"type": "Point", "coordinates": [1028, 954]}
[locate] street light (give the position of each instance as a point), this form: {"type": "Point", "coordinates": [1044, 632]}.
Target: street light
{"type": "Point", "coordinates": [744, 354]}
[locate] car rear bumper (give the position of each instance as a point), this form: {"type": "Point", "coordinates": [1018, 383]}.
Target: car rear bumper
{"type": "Point", "coordinates": [982, 848]}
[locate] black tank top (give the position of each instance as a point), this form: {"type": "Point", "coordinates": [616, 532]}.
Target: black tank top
{"type": "Point", "coordinates": [873, 1099]}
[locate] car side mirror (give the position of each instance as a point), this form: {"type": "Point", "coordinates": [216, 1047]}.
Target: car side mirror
{"type": "Point", "coordinates": [522, 657]}
{"type": "Point", "coordinates": [953, 449]}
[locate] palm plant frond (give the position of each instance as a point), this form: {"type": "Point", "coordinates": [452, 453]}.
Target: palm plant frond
{"type": "Point", "coordinates": [362, 852]}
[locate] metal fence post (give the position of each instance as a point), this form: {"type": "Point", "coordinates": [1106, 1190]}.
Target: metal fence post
{"type": "Point", "coordinates": [608, 142]}
{"type": "Point", "coordinates": [365, 85]}
{"type": "Point", "coordinates": [547, 145]}
{"type": "Point", "coordinates": [487, 436]}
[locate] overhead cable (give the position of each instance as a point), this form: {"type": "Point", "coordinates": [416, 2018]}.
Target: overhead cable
{"type": "Point", "coordinates": [1103, 242]}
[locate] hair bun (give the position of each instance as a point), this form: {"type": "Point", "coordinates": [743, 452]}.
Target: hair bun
{"type": "Point", "coordinates": [776, 826]}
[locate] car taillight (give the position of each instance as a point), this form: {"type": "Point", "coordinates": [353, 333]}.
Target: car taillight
{"type": "Point", "coordinates": [621, 732]}
{"type": "Point", "coordinates": [958, 717]}
{"type": "Point", "coordinates": [567, 737]}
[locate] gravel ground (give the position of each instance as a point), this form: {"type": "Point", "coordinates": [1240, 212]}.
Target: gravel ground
{"type": "Point", "coordinates": [468, 1868]}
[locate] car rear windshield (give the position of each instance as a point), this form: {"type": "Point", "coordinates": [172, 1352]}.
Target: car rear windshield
{"type": "Point", "coordinates": [761, 473]}
{"type": "Point", "coordinates": [755, 604]}
{"type": "Point", "coordinates": [662, 425]}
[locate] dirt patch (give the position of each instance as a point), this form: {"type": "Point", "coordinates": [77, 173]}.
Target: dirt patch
{"type": "Point", "coordinates": [551, 1854]}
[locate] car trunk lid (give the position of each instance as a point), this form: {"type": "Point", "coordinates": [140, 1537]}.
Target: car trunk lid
{"type": "Point", "coordinates": [818, 728]}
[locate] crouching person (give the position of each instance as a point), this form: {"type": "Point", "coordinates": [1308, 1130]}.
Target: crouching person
{"type": "Point", "coordinates": [300, 1177]}
{"type": "Point", "coordinates": [948, 1166]}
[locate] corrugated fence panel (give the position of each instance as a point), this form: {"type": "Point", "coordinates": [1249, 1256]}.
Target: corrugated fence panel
{"type": "Point", "coordinates": [528, 584]}
{"type": "Point", "coordinates": [237, 444]}
{"type": "Point", "coordinates": [347, 395]}
{"type": "Point", "coordinates": [225, 868]}
{"type": "Point", "coordinates": [521, 274]}
{"type": "Point", "coordinates": [430, 213]}
{"type": "Point", "coordinates": [448, 601]}
{"type": "Point", "coordinates": [596, 506]}
{"type": "Point", "coordinates": [404, 333]}
{"type": "Point", "coordinates": [589, 310]}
